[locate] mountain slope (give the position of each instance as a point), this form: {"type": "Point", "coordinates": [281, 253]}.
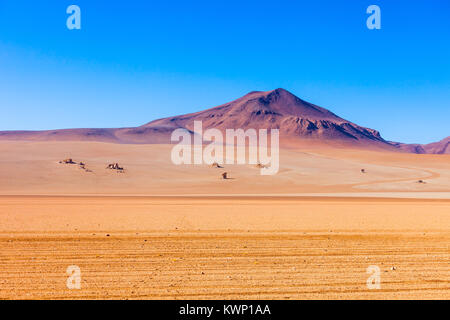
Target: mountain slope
{"type": "Point", "coordinates": [277, 109]}
{"type": "Point", "coordinates": [297, 120]}
{"type": "Point", "coordinates": [441, 147]}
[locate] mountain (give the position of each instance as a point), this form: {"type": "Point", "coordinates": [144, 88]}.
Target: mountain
{"type": "Point", "coordinates": [410, 148]}
{"type": "Point", "coordinates": [297, 120]}
{"type": "Point", "coordinates": [440, 147]}
{"type": "Point", "coordinates": [277, 109]}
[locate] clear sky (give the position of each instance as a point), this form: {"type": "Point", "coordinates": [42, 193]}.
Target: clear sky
{"type": "Point", "coordinates": [135, 61]}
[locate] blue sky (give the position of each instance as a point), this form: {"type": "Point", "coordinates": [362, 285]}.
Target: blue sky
{"type": "Point", "coordinates": [135, 61]}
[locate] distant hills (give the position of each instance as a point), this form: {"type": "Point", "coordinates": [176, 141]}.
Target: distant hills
{"type": "Point", "coordinates": [440, 147]}
{"type": "Point", "coordinates": [297, 120]}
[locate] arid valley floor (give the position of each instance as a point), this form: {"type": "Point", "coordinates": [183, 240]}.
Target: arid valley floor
{"type": "Point", "coordinates": [160, 231]}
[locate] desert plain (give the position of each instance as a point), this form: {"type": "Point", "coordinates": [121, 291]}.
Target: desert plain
{"type": "Point", "coordinates": [160, 231]}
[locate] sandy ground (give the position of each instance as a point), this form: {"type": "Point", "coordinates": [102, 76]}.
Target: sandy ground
{"type": "Point", "coordinates": [132, 242]}
{"type": "Point", "coordinates": [246, 248]}
{"type": "Point", "coordinates": [32, 168]}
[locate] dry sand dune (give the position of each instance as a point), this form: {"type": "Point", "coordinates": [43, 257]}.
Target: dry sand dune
{"type": "Point", "coordinates": [274, 243]}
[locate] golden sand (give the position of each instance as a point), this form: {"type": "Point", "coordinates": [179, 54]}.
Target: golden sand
{"type": "Point", "coordinates": [183, 233]}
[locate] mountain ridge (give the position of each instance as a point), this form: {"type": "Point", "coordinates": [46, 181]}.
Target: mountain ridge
{"type": "Point", "coordinates": [439, 147]}
{"type": "Point", "coordinates": [276, 109]}
{"type": "Point", "coordinates": [297, 120]}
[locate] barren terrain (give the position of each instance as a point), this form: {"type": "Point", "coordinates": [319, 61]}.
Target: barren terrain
{"type": "Point", "coordinates": [157, 231]}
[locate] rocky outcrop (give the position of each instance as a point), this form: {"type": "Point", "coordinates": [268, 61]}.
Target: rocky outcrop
{"type": "Point", "coordinates": [115, 166]}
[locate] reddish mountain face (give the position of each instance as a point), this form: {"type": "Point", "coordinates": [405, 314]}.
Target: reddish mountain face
{"type": "Point", "coordinates": [277, 109]}
{"type": "Point", "coordinates": [297, 120]}
{"type": "Point", "coordinates": [441, 147]}
{"type": "Point", "coordinates": [410, 148]}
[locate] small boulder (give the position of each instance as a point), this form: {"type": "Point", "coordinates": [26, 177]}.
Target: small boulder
{"type": "Point", "coordinates": [68, 161]}
{"type": "Point", "coordinates": [216, 165]}
{"type": "Point", "coordinates": [114, 166]}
